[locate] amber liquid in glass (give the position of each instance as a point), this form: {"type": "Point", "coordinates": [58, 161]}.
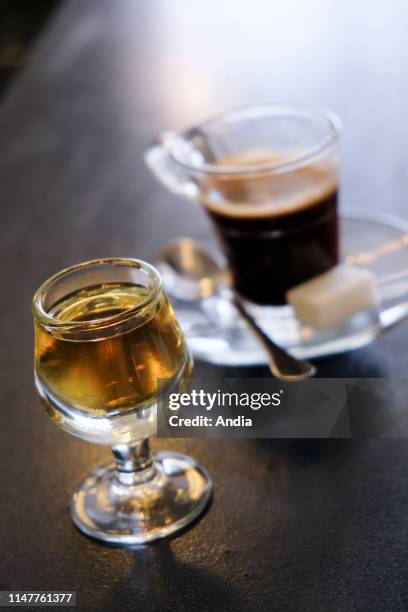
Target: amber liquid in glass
{"type": "Point", "coordinates": [118, 371]}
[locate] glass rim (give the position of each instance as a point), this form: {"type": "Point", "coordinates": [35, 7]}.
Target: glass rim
{"type": "Point", "coordinates": [45, 319]}
{"type": "Point", "coordinates": [310, 111]}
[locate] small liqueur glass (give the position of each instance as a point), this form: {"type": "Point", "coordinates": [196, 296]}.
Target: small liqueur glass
{"type": "Point", "coordinates": [105, 333]}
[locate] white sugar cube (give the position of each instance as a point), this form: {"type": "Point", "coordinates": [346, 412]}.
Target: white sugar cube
{"type": "Point", "coordinates": [332, 297]}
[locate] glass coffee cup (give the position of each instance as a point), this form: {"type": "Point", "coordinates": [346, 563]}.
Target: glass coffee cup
{"type": "Point", "coordinates": [268, 179]}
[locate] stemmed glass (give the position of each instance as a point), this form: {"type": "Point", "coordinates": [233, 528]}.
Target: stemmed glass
{"type": "Point", "coordinates": [105, 333]}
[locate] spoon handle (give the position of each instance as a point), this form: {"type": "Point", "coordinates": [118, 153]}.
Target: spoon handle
{"type": "Point", "coordinates": [283, 365]}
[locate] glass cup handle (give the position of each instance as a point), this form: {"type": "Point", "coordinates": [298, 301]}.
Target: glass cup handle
{"type": "Point", "coordinates": [166, 170]}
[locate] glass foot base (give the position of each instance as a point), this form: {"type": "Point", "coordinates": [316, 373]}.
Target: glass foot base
{"type": "Point", "coordinates": [169, 495]}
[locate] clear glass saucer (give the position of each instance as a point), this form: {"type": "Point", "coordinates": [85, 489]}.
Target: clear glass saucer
{"type": "Point", "coordinates": [376, 241]}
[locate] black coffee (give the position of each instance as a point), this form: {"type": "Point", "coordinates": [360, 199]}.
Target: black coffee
{"type": "Point", "coordinates": [276, 231]}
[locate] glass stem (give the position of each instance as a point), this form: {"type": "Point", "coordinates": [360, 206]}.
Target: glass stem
{"type": "Point", "coordinates": [134, 464]}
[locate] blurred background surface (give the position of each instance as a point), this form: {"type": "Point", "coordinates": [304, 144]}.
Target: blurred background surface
{"type": "Point", "coordinates": [21, 22]}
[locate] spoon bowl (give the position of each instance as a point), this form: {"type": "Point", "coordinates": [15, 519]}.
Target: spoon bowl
{"type": "Point", "coordinates": [191, 273]}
